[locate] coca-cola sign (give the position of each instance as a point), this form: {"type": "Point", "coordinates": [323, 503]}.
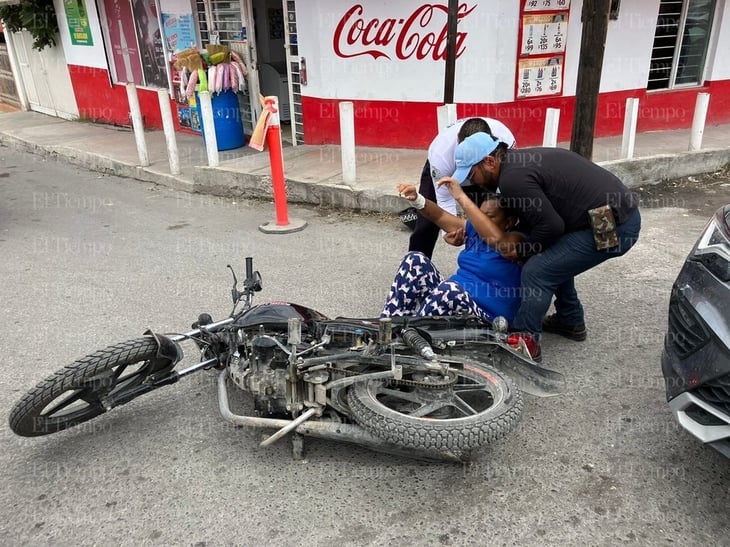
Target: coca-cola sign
{"type": "Point", "coordinates": [421, 35]}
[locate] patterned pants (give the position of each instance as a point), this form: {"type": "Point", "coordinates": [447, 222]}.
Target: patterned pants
{"type": "Point", "coordinates": [420, 290]}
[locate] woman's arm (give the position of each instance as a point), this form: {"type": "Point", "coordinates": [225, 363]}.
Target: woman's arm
{"type": "Point", "coordinates": [443, 219]}
{"type": "Point", "coordinates": [504, 242]}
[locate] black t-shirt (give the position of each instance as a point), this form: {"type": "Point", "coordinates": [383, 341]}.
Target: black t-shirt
{"type": "Point", "coordinates": [553, 189]}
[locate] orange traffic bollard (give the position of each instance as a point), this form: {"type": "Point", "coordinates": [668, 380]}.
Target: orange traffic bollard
{"type": "Point", "coordinates": [284, 224]}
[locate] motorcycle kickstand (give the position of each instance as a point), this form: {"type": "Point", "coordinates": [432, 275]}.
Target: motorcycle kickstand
{"type": "Point", "coordinates": [291, 426]}
{"type": "Point", "coordinates": [297, 445]}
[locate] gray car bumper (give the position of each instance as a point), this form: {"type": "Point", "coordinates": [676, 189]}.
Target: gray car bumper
{"type": "Point", "coordinates": [709, 424]}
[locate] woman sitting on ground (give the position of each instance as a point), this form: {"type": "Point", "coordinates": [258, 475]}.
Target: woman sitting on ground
{"type": "Point", "coordinates": [485, 284]}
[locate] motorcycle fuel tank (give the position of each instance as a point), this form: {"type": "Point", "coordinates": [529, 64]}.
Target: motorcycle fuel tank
{"type": "Point", "coordinates": [275, 315]}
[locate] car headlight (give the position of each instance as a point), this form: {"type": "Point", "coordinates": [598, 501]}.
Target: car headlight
{"type": "Point", "coordinates": [713, 247]}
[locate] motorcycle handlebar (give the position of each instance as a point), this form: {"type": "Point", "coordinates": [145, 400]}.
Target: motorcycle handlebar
{"type": "Point", "coordinates": [249, 267]}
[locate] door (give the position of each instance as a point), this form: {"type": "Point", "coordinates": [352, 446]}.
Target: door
{"type": "Point", "coordinates": [45, 77]}
{"type": "Point", "coordinates": [8, 91]}
{"type": "Point", "coordinates": [296, 70]}
{"type": "Point", "coordinates": [228, 22]}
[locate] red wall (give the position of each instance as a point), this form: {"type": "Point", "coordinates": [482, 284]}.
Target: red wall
{"type": "Point", "coordinates": [413, 125]}
{"type": "Point", "coordinates": [100, 100]}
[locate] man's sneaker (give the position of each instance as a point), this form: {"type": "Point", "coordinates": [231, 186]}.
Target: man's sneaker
{"type": "Point", "coordinates": [574, 332]}
{"type": "Point", "coordinates": [525, 340]}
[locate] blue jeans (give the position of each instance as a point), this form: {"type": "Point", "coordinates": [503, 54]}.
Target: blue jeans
{"type": "Point", "coordinates": [553, 271]}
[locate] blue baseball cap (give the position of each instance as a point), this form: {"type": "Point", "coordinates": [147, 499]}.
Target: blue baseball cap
{"type": "Point", "coordinates": [471, 151]}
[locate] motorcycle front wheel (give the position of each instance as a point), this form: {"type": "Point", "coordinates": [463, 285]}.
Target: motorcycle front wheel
{"type": "Point", "coordinates": [77, 393]}
{"type": "Point", "coordinates": [479, 407]}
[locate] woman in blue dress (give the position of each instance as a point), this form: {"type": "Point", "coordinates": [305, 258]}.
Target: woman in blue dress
{"type": "Point", "coordinates": [486, 284]}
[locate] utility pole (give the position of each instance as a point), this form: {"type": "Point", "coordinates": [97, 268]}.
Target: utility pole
{"type": "Point", "coordinates": [592, 46]}
{"type": "Point", "coordinates": [453, 15]}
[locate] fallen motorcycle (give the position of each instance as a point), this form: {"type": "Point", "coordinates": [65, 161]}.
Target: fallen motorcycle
{"type": "Point", "coordinates": [432, 387]}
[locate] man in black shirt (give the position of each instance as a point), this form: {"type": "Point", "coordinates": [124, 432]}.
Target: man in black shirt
{"type": "Point", "coordinates": [576, 215]}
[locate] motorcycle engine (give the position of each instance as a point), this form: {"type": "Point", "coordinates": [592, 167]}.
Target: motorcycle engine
{"type": "Point", "coordinates": [263, 373]}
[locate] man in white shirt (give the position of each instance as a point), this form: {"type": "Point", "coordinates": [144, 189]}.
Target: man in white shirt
{"type": "Point", "coordinates": [441, 163]}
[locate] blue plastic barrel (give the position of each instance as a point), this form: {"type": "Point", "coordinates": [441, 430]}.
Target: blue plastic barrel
{"type": "Point", "coordinates": [226, 120]}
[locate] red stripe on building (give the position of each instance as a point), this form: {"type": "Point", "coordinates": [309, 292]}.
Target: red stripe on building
{"type": "Point", "coordinates": [100, 100]}
{"type": "Point", "coordinates": [413, 124]}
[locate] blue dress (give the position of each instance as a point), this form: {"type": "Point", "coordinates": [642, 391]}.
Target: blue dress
{"type": "Point", "coordinates": [490, 279]}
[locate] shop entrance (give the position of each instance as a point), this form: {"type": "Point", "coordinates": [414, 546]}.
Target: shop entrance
{"type": "Point", "coordinates": [263, 32]}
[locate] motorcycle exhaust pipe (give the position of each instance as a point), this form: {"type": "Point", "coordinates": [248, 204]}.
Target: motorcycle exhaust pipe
{"type": "Point", "coordinates": [331, 431]}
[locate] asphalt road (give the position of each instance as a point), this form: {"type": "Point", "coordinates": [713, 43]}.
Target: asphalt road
{"type": "Point", "coordinates": [89, 260]}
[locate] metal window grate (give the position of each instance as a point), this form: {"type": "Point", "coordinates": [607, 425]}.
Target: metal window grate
{"type": "Point", "coordinates": [680, 43]}
{"type": "Point", "coordinates": [224, 18]}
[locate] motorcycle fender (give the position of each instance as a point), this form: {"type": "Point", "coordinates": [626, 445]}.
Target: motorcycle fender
{"type": "Point", "coordinates": [166, 349]}
{"type": "Point", "coordinates": [526, 374]}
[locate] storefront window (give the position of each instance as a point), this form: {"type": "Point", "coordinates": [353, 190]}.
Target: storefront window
{"type": "Point", "coordinates": [680, 43]}
{"type": "Point", "coordinates": [220, 20]}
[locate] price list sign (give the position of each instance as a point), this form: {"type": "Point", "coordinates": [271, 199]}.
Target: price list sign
{"type": "Point", "coordinates": [546, 5]}
{"type": "Point", "coordinates": [543, 32]}
{"type": "Point", "coordinates": [539, 77]}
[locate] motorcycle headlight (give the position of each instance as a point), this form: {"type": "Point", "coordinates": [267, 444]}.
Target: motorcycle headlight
{"type": "Point", "coordinates": [713, 247]}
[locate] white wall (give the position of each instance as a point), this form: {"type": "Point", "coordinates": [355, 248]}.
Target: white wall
{"type": "Point", "coordinates": [94, 55]}
{"type": "Point", "coordinates": [628, 46]}
{"type": "Point", "coordinates": [718, 56]}
{"type": "Point", "coordinates": [486, 71]}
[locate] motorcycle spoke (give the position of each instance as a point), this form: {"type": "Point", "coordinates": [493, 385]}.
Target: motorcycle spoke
{"type": "Point", "coordinates": [464, 407]}
{"type": "Point", "coordinates": [471, 389]}
{"type": "Point", "coordinates": [91, 393]}
{"type": "Point", "coordinates": [81, 394]}
{"type": "Point", "coordinates": [118, 372]}
{"type": "Point", "coordinates": [469, 386]}
{"type": "Point", "coordinates": [93, 397]}
{"type": "Point", "coordinates": [429, 408]}
{"type": "Point", "coordinates": [403, 395]}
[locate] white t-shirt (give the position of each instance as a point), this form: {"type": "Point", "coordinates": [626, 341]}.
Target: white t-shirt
{"type": "Point", "coordinates": [442, 150]}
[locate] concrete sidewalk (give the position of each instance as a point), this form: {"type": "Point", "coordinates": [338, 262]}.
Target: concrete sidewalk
{"type": "Point", "coordinates": [314, 173]}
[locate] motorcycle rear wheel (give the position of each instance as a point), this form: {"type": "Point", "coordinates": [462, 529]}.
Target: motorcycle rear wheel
{"type": "Point", "coordinates": [74, 394]}
{"type": "Point", "coordinates": [483, 407]}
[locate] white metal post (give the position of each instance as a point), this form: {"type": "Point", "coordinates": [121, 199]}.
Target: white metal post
{"type": "Point", "coordinates": [445, 115]}
{"type": "Point", "coordinates": [211, 143]}
{"type": "Point", "coordinates": [347, 143]}
{"type": "Point", "coordinates": [552, 121]}
{"type": "Point", "coordinates": [630, 119]}
{"type": "Point", "coordinates": [169, 128]}
{"type": "Point", "coordinates": [698, 122]}
{"type": "Point", "coordinates": [137, 124]}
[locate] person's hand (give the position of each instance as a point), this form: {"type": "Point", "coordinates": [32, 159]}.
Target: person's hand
{"type": "Point", "coordinates": [452, 185]}
{"type": "Point", "coordinates": [407, 191]}
{"type": "Point", "coordinates": [456, 238]}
